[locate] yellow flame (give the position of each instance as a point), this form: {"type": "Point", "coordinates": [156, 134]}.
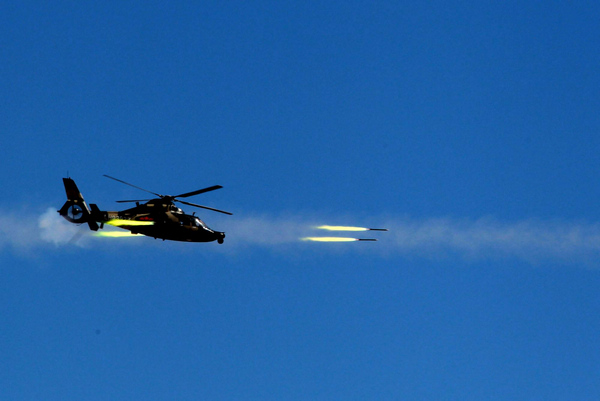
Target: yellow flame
{"type": "Point", "coordinates": [329, 239]}
{"type": "Point", "coordinates": [120, 222]}
{"type": "Point", "coordinates": [342, 228]}
{"type": "Point", "coordinates": [116, 234]}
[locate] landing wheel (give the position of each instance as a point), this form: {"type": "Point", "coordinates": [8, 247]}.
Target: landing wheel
{"type": "Point", "coordinates": [220, 240]}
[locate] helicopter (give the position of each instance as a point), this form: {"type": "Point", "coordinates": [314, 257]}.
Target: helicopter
{"type": "Point", "coordinates": [159, 217]}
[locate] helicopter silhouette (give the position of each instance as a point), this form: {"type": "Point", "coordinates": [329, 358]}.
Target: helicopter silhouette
{"type": "Point", "coordinates": [158, 217]}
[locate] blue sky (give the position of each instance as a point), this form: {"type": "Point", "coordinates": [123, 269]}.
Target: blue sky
{"type": "Point", "coordinates": [469, 130]}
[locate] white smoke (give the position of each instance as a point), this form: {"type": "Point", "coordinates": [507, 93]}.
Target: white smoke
{"type": "Point", "coordinates": [56, 230]}
{"type": "Point", "coordinates": [25, 232]}
{"type": "Point", "coordinates": [486, 238]}
{"type": "Point", "coordinates": [17, 232]}
{"type": "Point", "coordinates": [533, 241]}
{"type": "Point", "coordinates": [262, 230]}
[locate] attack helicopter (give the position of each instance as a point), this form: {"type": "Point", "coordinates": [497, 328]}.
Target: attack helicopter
{"type": "Point", "coordinates": [158, 217]}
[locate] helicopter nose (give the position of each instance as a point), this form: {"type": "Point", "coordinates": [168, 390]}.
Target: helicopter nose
{"type": "Point", "coordinates": [220, 236]}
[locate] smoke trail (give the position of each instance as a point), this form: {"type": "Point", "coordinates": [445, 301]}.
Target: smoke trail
{"type": "Point", "coordinates": [17, 232]}
{"type": "Point", "coordinates": [533, 241]}
{"type": "Point", "coordinates": [487, 238]}
{"type": "Point", "coordinates": [23, 231]}
{"type": "Point", "coordinates": [56, 230]}
{"type": "Point", "coordinates": [473, 239]}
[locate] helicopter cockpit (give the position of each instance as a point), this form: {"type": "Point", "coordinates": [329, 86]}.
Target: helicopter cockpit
{"type": "Point", "coordinates": [198, 223]}
{"type": "Point", "coordinates": [187, 220]}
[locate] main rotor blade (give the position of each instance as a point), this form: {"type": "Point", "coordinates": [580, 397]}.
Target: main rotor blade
{"type": "Point", "coordinates": [200, 191]}
{"type": "Point", "coordinates": [131, 185]}
{"type": "Point", "coordinates": [203, 207]}
{"type": "Point", "coordinates": [132, 200]}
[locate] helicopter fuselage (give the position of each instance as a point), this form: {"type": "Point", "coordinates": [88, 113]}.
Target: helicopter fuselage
{"type": "Point", "coordinates": [157, 218]}
{"type": "Point", "coordinates": [163, 220]}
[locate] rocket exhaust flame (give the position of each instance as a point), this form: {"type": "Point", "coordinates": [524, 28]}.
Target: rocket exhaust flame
{"type": "Point", "coordinates": [342, 239]}
{"type": "Point", "coordinates": [116, 234]}
{"type": "Point", "coordinates": [349, 228]}
{"type": "Point", "coordinates": [120, 222]}
{"type": "Point", "coordinates": [342, 228]}
{"type": "Point", "coordinates": [336, 239]}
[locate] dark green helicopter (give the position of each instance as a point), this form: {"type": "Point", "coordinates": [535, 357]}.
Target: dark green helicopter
{"type": "Point", "coordinates": [157, 218]}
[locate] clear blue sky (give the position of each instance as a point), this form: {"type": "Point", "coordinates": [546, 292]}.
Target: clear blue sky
{"type": "Point", "coordinates": [471, 130]}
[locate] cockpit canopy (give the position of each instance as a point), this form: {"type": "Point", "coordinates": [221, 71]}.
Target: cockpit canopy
{"type": "Point", "coordinates": [193, 221]}
{"type": "Point", "coordinates": [197, 222]}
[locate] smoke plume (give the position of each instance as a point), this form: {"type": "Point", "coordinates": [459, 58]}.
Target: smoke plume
{"type": "Point", "coordinates": [533, 241]}
{"type": "Point", "coordinates": [55, 230]}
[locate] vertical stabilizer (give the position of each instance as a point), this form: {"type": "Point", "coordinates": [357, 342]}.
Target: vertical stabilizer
{"type": "Point", "coordinates": [75, 209]}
